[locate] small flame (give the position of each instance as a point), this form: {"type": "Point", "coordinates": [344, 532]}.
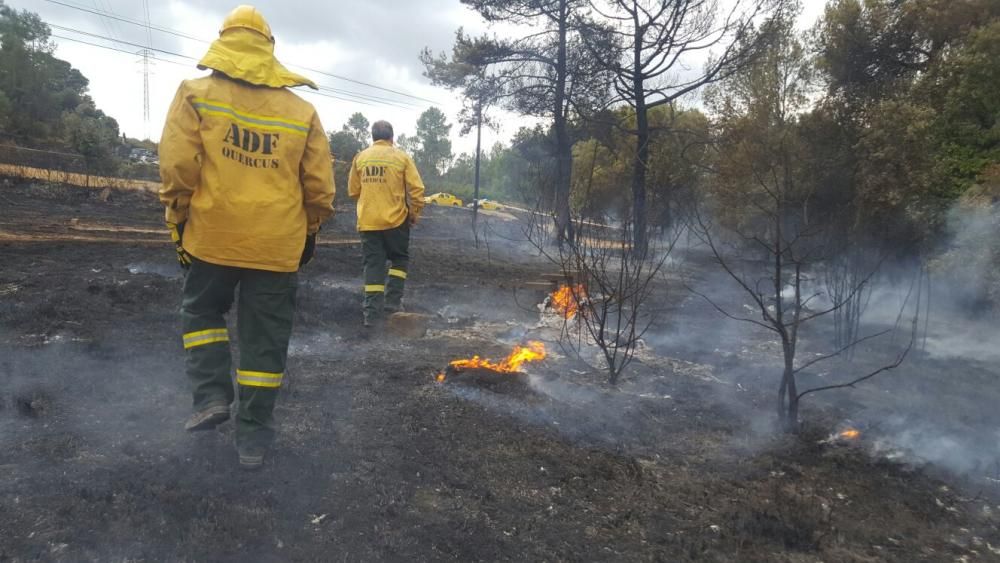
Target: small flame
{"type": "Point", "coordinates": [850, 434]}
{"type": "Point", "coordinates": [566, 300]}
{"type": "Point", "coordinates": [532, 352]}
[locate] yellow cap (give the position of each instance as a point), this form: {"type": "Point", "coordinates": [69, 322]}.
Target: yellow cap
{"type": "Point", "coordinates": [247, 17]}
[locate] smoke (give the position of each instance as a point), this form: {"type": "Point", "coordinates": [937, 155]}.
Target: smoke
{"type": "Point", "coordinates": [936, 409]}
{"type": "Point", "coordinates": [165, 270]}
{"type": "Point", "coordinates": [969, 262]}
{"type": "Point", "coordinates": [313, 343]}
{"type": "Point", "coordinates": [970, 341]}
{"type": "Point", "coordinates": [939, 407]}
{"type": "Point", "coordinates": [966, 287]}
{"type": "Point", "coordinates": [961, 290]}
{"type": "Point", "coordinates": [974, 453]}
{"type": "Point", "coordinates": [73, 401]}
{"type": "Point", "coordinates": [599, 417]}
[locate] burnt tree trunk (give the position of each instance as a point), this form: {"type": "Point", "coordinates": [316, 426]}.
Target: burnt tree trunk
{"type": "Point", "coordinates": [789, 415]}
{"type": "Point", "coordinates": [475, 197]}
{"type": "Point", "coordinates": [639, 170]}
{"type": "Point", "coordinates": [641, 163]}
{"type": "Point", "coordinates": [564, 148]}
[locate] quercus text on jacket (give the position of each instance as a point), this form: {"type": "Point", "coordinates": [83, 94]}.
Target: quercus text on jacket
{"type": "Point", "coordinates": [251, 167]}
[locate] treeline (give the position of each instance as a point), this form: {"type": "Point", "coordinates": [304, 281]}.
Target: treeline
{"type": "Point", "coordinates": [871, 127]}
{"type": "Point", "coordinates": [509, 173]}
{"type": "Point", "coordinates": [430, 147]}
{"type": "Point", "coordinates": [44, 102]}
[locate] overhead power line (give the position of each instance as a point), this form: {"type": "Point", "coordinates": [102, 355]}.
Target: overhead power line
{"type": "Point", "coordinates": [336, 93]}
{"type": "Point", "coordinates": [110, 48]}
{"type": "Point", "coordinates": [107, 25]}
{"type": "Point", "coordinates": [183, 35]}
{"type": "Point", "coordinates": [353, 96]}
{"type": "Point", "coordinates": [123, 51]}
{"type": "Point", "coordinates": [344, 78]}
{"type": "Point", "coordinates": [129, 43]}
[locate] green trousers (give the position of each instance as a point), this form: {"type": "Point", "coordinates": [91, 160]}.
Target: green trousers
{"type": "Point", "coordinates": [387, 257]}
{"type": "Point", "coordinates": [264, 325]}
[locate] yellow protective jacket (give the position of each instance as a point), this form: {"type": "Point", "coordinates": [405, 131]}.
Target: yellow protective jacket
{"type": "Point", "coordinates": [249, 168]}
{"type": "Point", "coordinates": [385, 182]}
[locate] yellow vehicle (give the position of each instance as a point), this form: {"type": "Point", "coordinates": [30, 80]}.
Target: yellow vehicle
{"type": "Point", "coordinates": [487, 204]}
{"type": "Point", "coordinates": [442, 198]}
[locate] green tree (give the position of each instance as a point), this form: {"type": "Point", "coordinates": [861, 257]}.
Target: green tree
{"type": "Point", "coordinates": [543, 72]}
{"type": "Point", "coordinates": [963, 91]}
{"type": "Point", "coordinates": [358, 127]}
{"type": "Point", "coordinates": [44, 100]}
{"type": "Point", "coordinates": [344, 146]}
{"type": "Point", "coordinates": [408, 143]}
{"type": "Point", "coordinates": [434, 152]}
{"type": "Point", "coordinates": [5, 109]}
{"type": "Point", "coordinates": [762, 195]}
{"type": "Point", "coordinates": [643, 43]}
{"type": "Point", "coordinates": [94, 135]}
{"type": "Point", "coordinates": [911, 103]}
{"type": "Point", "coordinates": [353, 137]}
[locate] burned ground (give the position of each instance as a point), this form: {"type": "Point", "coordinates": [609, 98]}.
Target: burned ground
{"type": "Point", "coordinates": [378, 461]}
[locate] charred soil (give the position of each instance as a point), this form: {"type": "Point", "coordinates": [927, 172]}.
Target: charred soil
{"type": "Point", "coordinates": [378, 461]}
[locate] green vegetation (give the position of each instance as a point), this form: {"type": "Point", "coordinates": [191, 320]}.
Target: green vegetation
{"type": "Point", "coordinates": [43, 100]}
{"type": "Point", "coordinates": [886, 111]}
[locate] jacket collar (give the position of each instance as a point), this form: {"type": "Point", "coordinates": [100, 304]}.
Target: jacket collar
{"type": "Point", "coordinates": [248, 56]}
{"type": "Point", "coordinates": [382, 143]}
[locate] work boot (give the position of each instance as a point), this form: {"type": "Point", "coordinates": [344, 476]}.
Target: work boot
{"type": "Point", "coordinates": [251, 461]}
{"type": "Point", "coordinates": [251, 454]}
{"type": "Point", "coordinates": [373, 319]}
{"type": "Point", "coordinates": [207, 418]}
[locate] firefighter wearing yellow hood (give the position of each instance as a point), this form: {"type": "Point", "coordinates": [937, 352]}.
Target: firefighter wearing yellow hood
{"type": "Point", "coordinates": [247, 182]}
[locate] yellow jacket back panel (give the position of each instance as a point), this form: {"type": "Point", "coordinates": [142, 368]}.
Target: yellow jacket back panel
{"type": "Point", "coordinates": [385, 182]}
{"type": "Point", "coordinates": [249, 168]}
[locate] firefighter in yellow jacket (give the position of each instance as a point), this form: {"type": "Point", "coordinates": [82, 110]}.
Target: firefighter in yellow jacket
{"type": "Point", "coordinates": [390, 195]}
{"type": "Point", "coordinates": [247, 182]}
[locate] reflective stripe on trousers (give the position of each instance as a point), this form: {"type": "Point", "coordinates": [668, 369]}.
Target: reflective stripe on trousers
{"type": "Point", "coordinates": [202, 337]}
{"type": "Point", "coordinates": [258, 378]}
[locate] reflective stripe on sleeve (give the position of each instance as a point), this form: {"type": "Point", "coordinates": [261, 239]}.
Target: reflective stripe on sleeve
{"type": "Point", "coordinates": [258, 378]}
{"type": "Point", "coordinates": [202, 337]}
{"type": "Point", "coordinates": [397, 273]}
{"type": "Point", "coordinates": [374, 288]}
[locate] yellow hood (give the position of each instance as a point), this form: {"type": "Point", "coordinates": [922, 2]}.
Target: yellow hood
{"type": "Point", "coordinates": [248, 56]}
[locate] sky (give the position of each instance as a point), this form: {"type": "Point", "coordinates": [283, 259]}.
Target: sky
{"type": "Point", "coordinates": [336, 44]}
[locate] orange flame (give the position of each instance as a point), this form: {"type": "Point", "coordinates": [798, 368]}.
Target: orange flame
{"type": "Point", "coordinates": [566, 300]}
{"type": "Point", "coordinates": [532, 352]}
{"type": "Point", "coordinates": [850, 434]}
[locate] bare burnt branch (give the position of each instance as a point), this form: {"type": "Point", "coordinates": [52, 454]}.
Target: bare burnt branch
{"type": "Point", "coordinates": [840, 351]}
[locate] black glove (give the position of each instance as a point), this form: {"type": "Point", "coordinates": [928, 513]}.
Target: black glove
{"type": "Point", "coordinates": [177, 235]}
{"type": "Point", "coordinates": [309, 250]}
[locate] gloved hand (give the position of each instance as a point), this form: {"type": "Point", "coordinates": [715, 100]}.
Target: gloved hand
{"type": "Point", "coordinates": [309, 250]}
{"type": "Point", "coordinates": [177, 235]}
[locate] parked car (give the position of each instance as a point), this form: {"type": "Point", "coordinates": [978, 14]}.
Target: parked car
{"type": "Point", "coordinates": [487, 204]}
{"type": "Point", "coordinates": [442, 198]}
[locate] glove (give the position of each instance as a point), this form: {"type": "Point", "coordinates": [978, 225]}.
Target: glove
{"type": "Point", "coordinates": [176, 235]}
{"type": "Point", "coordinates": [309, 250]}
